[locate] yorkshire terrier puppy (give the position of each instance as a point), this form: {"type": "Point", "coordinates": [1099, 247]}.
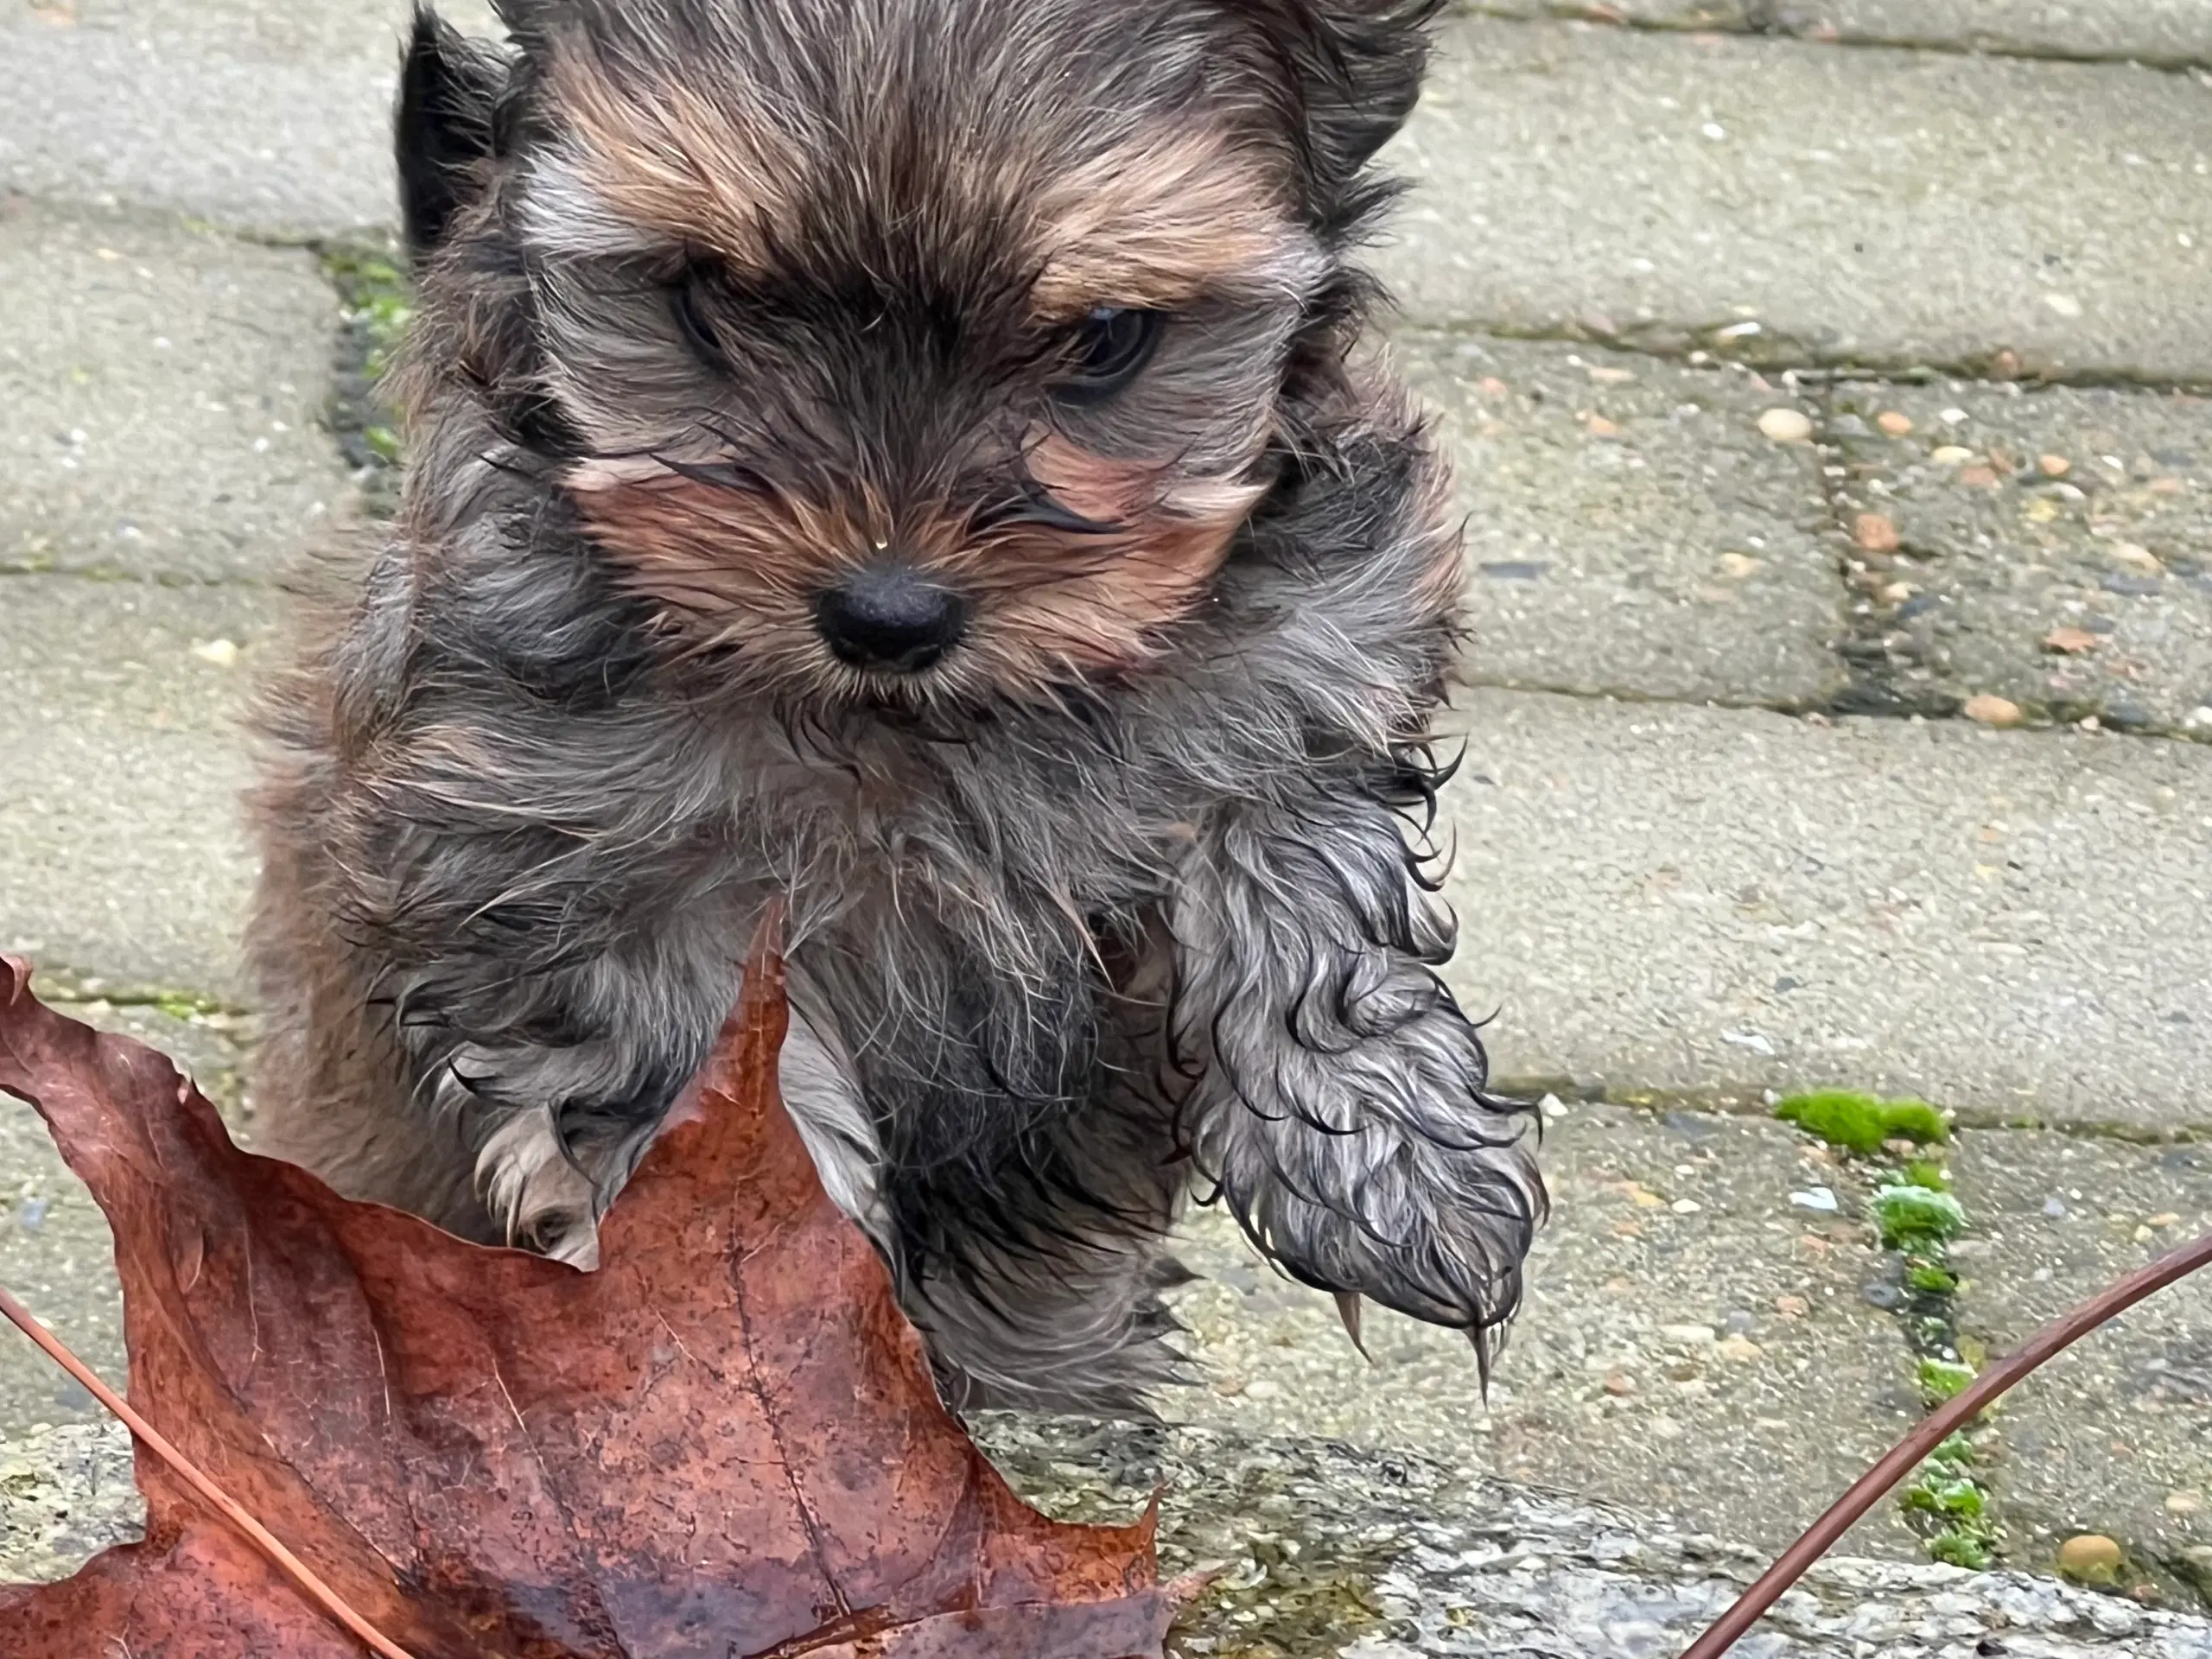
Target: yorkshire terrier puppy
{"type": "Point", "coordinates": [911, 457]}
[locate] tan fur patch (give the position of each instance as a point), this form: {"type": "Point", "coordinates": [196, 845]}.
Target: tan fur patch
{"type": "Point", "coordinates": [1100, 603]}
{"type": "Point", "coordinates": [1157, 223]}
{"type": "Point", "coordinates": [716, 172]}
{"type": "Point", "coordinates": [739, 569]}
{"type": "Point", "coordinates": [709, 551]}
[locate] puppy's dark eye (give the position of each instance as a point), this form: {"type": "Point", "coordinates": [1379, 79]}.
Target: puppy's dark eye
{"type": "Point", "coordinates": [1111, 345]}
{"type": "Point", "coordinates": [687, 299]}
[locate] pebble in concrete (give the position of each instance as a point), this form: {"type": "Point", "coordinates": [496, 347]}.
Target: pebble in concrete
{"type": "Point", "coordinates": [1630, 529]}
{"type": "Point", "coordinates": [1694, 1341]}
{"type": "Point", "coordinates": [1723, 902]}
{"type": "Point", "coordinates": [1789, 201]}
{"type": "Point", "coordinates": [2108, 1439]}
{"type": "Point", "coordinates": [161, 394]}
{"type": "Point", "coordinates": [2049, 546]}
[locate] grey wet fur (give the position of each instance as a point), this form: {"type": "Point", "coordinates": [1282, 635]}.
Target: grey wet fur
{"type": "Point", "coordinates": [1121, 901]}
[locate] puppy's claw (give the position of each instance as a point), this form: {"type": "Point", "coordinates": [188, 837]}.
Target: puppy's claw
{"type": "Point", "coordinates": [1349, 1308]}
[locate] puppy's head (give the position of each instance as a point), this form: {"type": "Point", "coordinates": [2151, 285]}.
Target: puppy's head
{"type": "Point", "coordinates": [901, 351]}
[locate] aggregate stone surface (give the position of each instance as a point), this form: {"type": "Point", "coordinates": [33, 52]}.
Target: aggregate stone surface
{"type": "Point", "coordinates": [2156, 31]}
{"type": "Point", "coordinates": [57, 1256]}
{"type": "Point", "coordinates": [66, 1494]}
{"type": "Point", "coordinates": [2115, 1436]}
{"type": "Point", "coordinates": [2050, 547]}
{"type": "Point", "coordinates": [122, 844]}
{"type": "Point", "coordinates": [1787, 201]}
{"type": "Point", "coordinates": [1693, 1344]}
{"type": "Point", "coordinates": [1318, 1551]}
{"type": "Point", "coordinates": [265, 115]}
{"type": "Point", "coordinates": [1723, 902]}
{"type": "Point", "coordinates": [161, 392]}
{"type": "Point", "coordinates": [1629, 528]}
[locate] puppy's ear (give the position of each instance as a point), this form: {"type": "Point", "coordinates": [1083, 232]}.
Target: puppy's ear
{"type": "Point", "coordinates": [1358, 67]}
{"type": "Point", "coordinates": [449, 90]}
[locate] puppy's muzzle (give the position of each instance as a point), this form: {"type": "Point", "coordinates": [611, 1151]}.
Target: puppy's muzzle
{"type": "Point", "coordinates": [889, 618]}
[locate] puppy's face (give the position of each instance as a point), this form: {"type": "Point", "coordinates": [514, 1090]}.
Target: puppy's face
{"type": "Point", "coordinates": [911, 353]}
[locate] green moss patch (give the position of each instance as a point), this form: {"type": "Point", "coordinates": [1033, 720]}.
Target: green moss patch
{"type": "Point", "coordinates": [1950, 1509]}
{"type": "Point", "coordinates": [378, 304]}
{"type": "Point", "coordinates": [1943, 1379]}
{"type": "Point", "coordinates": [1861, 1123]}
{"type": "Point", "coordinates": [1915, 1220]}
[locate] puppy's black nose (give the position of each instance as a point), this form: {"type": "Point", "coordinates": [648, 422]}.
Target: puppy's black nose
{"type": "Point", "coordinates": [889, 617]}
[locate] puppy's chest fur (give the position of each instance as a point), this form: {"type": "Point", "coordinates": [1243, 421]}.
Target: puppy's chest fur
{"type": "Point", "coordinates": [963, 903]}
{"type": "Point", "coordinates": [990, 960]}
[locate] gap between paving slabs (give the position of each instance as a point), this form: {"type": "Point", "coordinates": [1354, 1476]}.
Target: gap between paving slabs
{"type": "Point", "coordinates": [1957, 1504]}
{"type": "Point", "coordinates": [2024, 554]}
{"type": "Point", "coordinates": [2020, 555]}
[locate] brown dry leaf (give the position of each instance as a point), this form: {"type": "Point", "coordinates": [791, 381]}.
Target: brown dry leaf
{"type": "Point", "coordinates": [2071, 641]}
{"type": "Point", "coordinates": [723, 1442]}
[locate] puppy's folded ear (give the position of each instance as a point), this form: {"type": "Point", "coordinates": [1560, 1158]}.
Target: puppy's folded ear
{"type": "Point", "coordinates": [1359, 66]}
{"type": "Point", "coordinates": [447, 127]}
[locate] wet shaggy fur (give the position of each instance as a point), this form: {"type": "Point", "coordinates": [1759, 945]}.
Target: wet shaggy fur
{"type": "Point", "coordinates": [725, 304]}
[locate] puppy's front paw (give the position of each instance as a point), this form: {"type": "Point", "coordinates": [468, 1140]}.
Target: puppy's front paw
{"type": "Point", "coordinates": [535, 1193]}
{"type": "Point", "coordinates": [1438, 1232]}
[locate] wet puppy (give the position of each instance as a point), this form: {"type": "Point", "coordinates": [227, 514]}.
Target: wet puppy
{"type": "Point", "coordinates": [909, 455]}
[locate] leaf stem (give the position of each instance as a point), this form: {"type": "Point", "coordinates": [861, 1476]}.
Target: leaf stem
{"type": "Point", "coordinates": [200, 1481]}
{"type": "Point", "coordinates": [1912, 1450]}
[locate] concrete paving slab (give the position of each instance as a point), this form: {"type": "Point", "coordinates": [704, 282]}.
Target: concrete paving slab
{"type": "Point", "coordinates": [1692, 1345]}
{"type": "Point", "coordinates": [1870, 205]}
{"type": "Point", "coordinates": [268, 115]}
{"type": "Point", "coordinates": [1725, 902]}
{"type": "Point", "coordinates": [1630, 529]}
{"type": "Point", "coordinates": [66, 1494]}
{"type": "Point", "coordinates": [2057, 517]}
{"type": "Point", "coordinates": [161, 392]}
{"type": "Point", "coordinates": [122, 849]}
{"type": "Point", "coordinates": [2173, 32]}
{"type": "Point", "coordinates": [2151, 31]}
{"type": "Point", "coordinates": [2115, 1436]}
{"type": "Point", "coordinates": [58, 1257]}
